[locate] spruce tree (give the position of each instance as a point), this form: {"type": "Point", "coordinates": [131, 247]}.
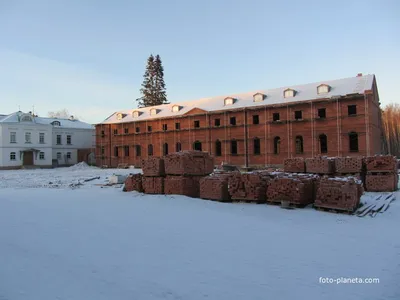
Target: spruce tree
{"type": "Point", "coordinates": [160, 91]}
{"type": "Point", "coordinates": [153, 86]}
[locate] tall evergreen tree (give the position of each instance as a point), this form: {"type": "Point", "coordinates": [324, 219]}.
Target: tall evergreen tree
{"type": "Point", "coordinates": [153, 86]}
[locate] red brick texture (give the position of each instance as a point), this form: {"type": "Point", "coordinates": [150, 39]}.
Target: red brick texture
{"type": "Point", "coordinates": [320, 165]}
{"type": "Point", "coordinates": [194, 163]}
{"type": "Point", "coordinates": [339, 193]}
{"type": "Point", "coordinates": [248, 187]}
{"type": "Point", "coordinates": [384, 182]}
{"type": "Point", "coordinates": [153, 166]}
{"type": "Point", "coordinates": [294, 165]}
{"type": "Point", "coordinates": [381, 163]}
{"type": "Point", "coordinates": [346, 165]}
{"type": "Point", "coordinates": [215, 187]}
{"type": "Point", "coordinates": [134, 183]}
{"type": "Point", "coordinates": [153, 185]}
{"type": "Point", "coordinates": [182, 185]}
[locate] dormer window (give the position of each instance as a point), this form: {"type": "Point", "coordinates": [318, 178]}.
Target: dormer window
{"type": "Point", "coordinates": [136, 114]}
{"type": "Point", "coordinates": [288, 93]}
{"type": "Point", "coordinates": [176, 108]}
{"type": "Point", "coordinates": [258, 97]}
{"type": "Point", "coordinates": [153, 112]}
{"type": "Point", "coordinates": [56, 123]}
{"type": "Point", "coordinates": [323, 89]}
{"type": "Point", "coordinates": [26, 118]}
{"type": "Point", "coordinates": [120, 116]}
{"type": "Point", "coordinates": [229, 101]}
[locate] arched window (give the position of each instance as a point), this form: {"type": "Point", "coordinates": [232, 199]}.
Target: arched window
{"type": "Point", "coordinates": [150, 150]}
{"type": "Point", "coordinates": [165, 149]}
{"type": "Point", "coordinates": [323, 143]}
{"type": "Point", "coordinates": [299, 144]}
{"type": "Point", "coordinates": [353, 141]}
{"type": "Point", "coordinates": [234, 147]}
{"type": "Point", "coordinates": [197, 146]}
{"type": "Point", "coordinates": [277, 145]}
{"type": "Point", "coordinates": [256, 146]}
{"type": "Point", "coordinates": [218, 148]}
{"type": "Point", "coordinates": [178, 147]}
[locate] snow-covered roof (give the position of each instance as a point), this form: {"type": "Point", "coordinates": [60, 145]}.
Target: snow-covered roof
{"type": "Point", "coordinates": [17, 117]}
{"type": "Point", "coordinates": [305, 92]}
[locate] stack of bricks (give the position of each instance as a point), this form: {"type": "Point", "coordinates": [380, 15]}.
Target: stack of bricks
{"type": "Point", "coordinates": [154, 173]}
{"type": "Point", "coordinates": [133, 183]}
{"type": "Point", "coordinates": [294, 165]}
{"type": "Point", "coordinates": [296, 189]}
{"type": "Point", "coordinates": [250, 187]}
{"type": "Point", "coordinates": [381, 173]}
{"type": "Point", "coordinates": [184, 171]}
{"type": "Point", "coordinates": [320, 165]}
{"type": "Point", "coordinates": [350, 166]}
{"type": "Point", "coordinates": [341, 194]}
{"type": "Point", "coordinates": [215, 187]}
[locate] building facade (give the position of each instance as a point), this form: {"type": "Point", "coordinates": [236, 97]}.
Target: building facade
{"type": "Point", "coordinates": [28, 140]}
{"type": "Point", "coordinates": [333, 118]}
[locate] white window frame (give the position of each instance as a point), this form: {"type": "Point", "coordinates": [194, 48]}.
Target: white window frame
{"type": "Point", "coordinates": [228, 101]}
{"type": "Point", "coordinates": [28, 138]}
{"type": "Point", "coordinates": [13, 137]}
{"type": "Point", "coordinates": [258, 97]}
{"type": "Point", "coordinates": [58, 155]}
{"type": "Point", "coordinates": [56, 123]}
{"type": "Point", "coordinates": [13, 156]}
{"type": "Point", "coordinates": [26, 119]}
{"type": "Point", "coordinates": [153, 112]}
{"type": "Point", "coordinates": [119, 116]}
{"type": "Point", "coordinates": [136, 114]}
{"type": "Point", "coordinates": [288, 93]}
{"type": "Point", "coordinates": [70, 139]}
{"type": "Point", "coordinates": [41, 155]}
{"type": "Point", "coordinates": [323, 89]}
{"type": "Point", "coordinates": [175, 108]}
{"type": "Point", "coordinates": [68, 155]}
{"type": "Point", "coordinates": [58, 143]}
{"type": "Point", "coordinates": [41, 137]}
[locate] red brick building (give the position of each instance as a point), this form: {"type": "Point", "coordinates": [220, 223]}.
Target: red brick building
{"type": "Point", "coordinates": [334, 118]}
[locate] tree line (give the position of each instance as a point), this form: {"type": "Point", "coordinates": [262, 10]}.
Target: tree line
{"type": "Point", "coordinates": [391, 128]}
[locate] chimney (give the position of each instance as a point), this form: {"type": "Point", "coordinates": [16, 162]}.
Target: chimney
{"type": "Point", "coordinates": [359, 75]}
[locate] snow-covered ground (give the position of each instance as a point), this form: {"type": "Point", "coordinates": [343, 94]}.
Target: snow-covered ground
{"type": "Point", "coordinates": [96, 242]}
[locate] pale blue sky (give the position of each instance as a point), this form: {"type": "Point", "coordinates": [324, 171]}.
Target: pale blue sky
{"type": "Point", "coordinates": [89, 55]}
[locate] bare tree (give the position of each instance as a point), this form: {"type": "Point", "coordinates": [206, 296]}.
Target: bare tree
{"type": "Point", "coordinates": [60, 114]}
{"type": "Point", "coordinates": [391, 128]}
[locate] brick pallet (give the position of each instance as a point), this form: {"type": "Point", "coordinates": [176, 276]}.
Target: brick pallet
{"type": "Point", "coordinates": [381, 182]}
{"type": "Point", "coordinates": [294, 165]}
{"type": "Point", "coordinates": [296, 191]}
{"type": "Point", "coordinates": [250, 187]}
{"type": "Point", "coordinates": [182, 185]}
{"type": "Point", "coordinates": [153, 185]}
{"type": "Point", "coordinates": [320, 165]}
{"type": "Point", "coordinates": [347, 165]}
{"type": "Point", "coordinates": [341, 194]}
{"type": "Point", "coordinates": [133, 183]}
{"type": "Point", "coordinates": [194, 163]}
{"type": "Point", "coordinates": [381, 163]}
{"type": "Point", "coordinates": [215, 187]}
{"type": "Point", "coordinates": [153, 166]}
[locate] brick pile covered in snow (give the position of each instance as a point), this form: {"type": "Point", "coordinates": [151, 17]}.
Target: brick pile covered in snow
{"type": "Point", "coordinates": [320, 165]}
{"type": "Point", "coordinates": [339, 193]}
{"type": "Point", "coordinates": [294, 165]}
{"type": "Point", "coordinates": [184, 171]}
{"type": "Point", "coordinates": [215, 187]}
{"type": "Point", "coordinates": [133, 183]}
{"type": "Point", "coordinates": [296, 189]}
{"type": "Point", "coordinates": [381, 173]}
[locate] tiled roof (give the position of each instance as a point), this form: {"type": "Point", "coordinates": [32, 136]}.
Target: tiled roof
{"type": "Point", "coordinates": [305, 92]}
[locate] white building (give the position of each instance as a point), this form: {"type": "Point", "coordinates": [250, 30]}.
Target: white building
{"type": "Point", "coordinates": [27, 140]}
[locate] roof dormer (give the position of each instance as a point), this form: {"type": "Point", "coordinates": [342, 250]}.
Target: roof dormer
{"type": "Point", "coordinates": [229, 101]}
{"type": "Point", "coordinates": [323, 89]}
{"type": "Point", "coordinates": [136, 114]}
{"type": "Point", "coordinates": [120, 116]}
{"type": "Point", "coordinates": [289, 93]}
{"type": "Point", "coordinates": [26, 118]}
{"type": "Point", "coordinates": [258, 97]}
{"type": "Point", "coordinates": [154, 111]}
{"type": "Point", "coordinates": [56, 123]}
{"type": "Point", "coordinates": [176, 108]}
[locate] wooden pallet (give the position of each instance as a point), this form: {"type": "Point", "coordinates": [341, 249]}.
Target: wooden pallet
{"type": "Point", "coordinates": [248, 201]}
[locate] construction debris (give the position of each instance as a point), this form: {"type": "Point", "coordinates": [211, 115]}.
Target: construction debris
{"type": "Point", "coordinates": [379, 205]}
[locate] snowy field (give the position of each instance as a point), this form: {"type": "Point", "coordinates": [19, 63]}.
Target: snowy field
{"type": "Point", "coordinates": [93, 242]}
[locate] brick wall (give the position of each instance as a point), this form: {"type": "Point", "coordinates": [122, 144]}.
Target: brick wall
{"type": "Point", "coordinates": [336, 126]}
